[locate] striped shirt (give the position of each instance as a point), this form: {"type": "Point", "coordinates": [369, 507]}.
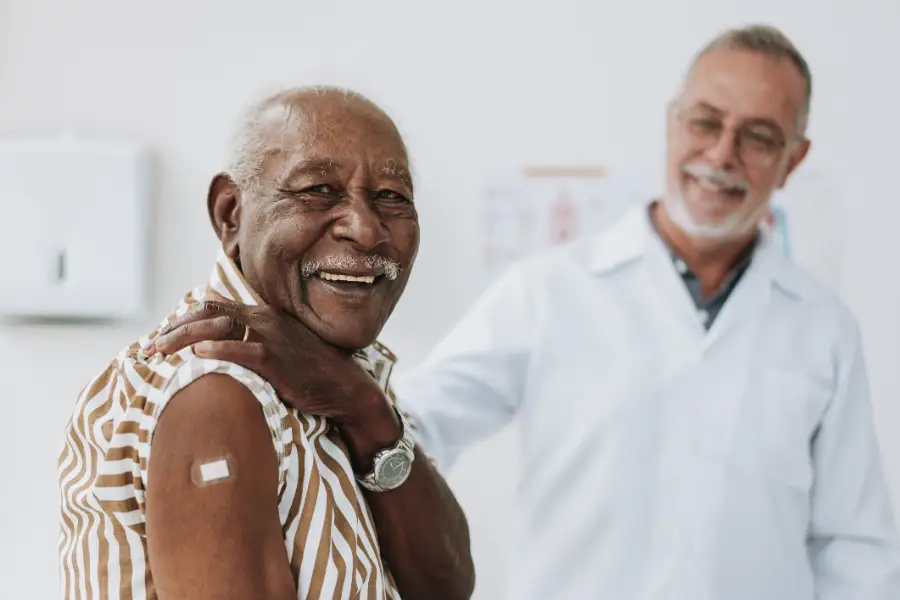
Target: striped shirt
{"type": "Point", "coordinates": [328, 529]}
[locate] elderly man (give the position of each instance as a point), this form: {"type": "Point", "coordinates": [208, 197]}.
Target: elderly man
{"type": "Point", "coordinates": [694, 408]}
{"type": "Point", "coordinates": [188, 477]}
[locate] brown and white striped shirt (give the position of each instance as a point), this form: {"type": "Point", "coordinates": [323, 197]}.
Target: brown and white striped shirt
{"type": "Point", "coordinates": [328, 529]}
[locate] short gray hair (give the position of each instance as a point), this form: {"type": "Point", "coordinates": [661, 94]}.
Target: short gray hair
{"type": "Point", "coordinates": [260, 131]}
{"type": "Point", "coordinates": [251, 142]}
{"type": "Point", "coordinates": [770, 41]}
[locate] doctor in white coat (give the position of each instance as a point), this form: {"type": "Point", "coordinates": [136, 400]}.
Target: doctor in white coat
{"type": "Point", "coordinates": [694, 408]}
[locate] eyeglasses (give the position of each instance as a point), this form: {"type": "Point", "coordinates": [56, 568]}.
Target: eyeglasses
{"type": "Point", "coordinates": [755, 144]}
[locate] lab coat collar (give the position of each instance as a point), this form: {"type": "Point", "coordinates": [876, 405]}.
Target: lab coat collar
{"type": "Point", "coordinates": [626, 241]}
{"type": "Point", "coordinates": [633, 238]}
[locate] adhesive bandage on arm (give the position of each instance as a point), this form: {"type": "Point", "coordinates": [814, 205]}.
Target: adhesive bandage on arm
{"type": "Point", "coordinates": [209, 471]}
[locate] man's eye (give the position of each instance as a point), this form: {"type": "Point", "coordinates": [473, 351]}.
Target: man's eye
{"type": "Point", "coordinates": [320, 189]}
{"type": "Point", "coordinates": [706, 125]}
{"type": "Point", "coordinates": [390, 195]}
{"type": "Point", "coordinates": [761, 140]}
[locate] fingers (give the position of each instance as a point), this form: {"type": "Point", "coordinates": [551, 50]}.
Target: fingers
{"type": "Point", "coordinates": [251, 355]}
{"type": "Point", "coordinates": [222, 327]}
{"type": "Point", "coordinates": [207, 309]}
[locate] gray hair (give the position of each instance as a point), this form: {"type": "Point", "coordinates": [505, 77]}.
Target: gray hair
{"type": "Point", "coordinates": [261, 130]}
{"type": "Point", "coordinates": [770, 41]}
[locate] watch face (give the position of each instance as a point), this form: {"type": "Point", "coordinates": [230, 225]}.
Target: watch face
{"type": "Point", "coordinates": [394, 470]}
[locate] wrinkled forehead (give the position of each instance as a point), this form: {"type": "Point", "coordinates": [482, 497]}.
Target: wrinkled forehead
{"type": "Point", "coordinates": [746, 85]}
{"type": "Point", "coordinates": [333, 134]}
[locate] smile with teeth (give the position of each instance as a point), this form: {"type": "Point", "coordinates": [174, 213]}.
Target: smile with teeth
{"type": "Point", "coordinates": [711, 185]}
{"type": "Point", "coordinates": [367, 279]}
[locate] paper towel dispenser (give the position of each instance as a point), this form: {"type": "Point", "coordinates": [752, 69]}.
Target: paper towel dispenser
{"type": "Point", "coordinates": [78, 223]}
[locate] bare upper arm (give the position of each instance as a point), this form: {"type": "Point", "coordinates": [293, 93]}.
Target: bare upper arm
{"type": "Point", "coordinates": [220, 540]}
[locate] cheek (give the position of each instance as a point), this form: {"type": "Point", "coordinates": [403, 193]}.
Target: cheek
{"type": "Point", "coordinates": [405, 238]}
{"type": "Point", "coordinates": [290, 236]}
{"type": "Point", "coordinates": [674, 175]}
{"type": "Point", "coordinates": [272, 247]}
{"type": "Point", "coordinates": [680, 153]}
{"type": "Point", "coordinates": [763, 181]}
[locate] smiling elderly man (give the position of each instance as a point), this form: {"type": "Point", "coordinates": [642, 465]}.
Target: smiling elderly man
{"type": "Point", "coordinates": [188, 477]}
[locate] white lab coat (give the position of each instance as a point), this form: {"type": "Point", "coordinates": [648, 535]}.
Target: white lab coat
{"type": "Point", "coordinates": [661, 461]}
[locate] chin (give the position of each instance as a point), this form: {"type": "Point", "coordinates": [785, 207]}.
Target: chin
{"type": "Point", "coordinates": [697, 222]}
{"type": "Point", "coordinates": [347, 314]}
{"type": "Point", "coordinates": [713, 211]}
{"type": "Point", "coordinates": [348, 335]}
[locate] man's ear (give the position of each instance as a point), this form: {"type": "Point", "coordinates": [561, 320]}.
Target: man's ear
{"type": "Point", "coordinates": [797, 155]}
{"type": "Point", "coordinates": [224, 205]}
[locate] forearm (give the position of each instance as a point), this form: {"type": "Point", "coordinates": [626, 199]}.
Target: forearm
{"type": "Point", "coordinates": [422, 530]}
{"type": "Point", "coordinates": [424, 536]}
{"type": "Point", "coordinates": [854, 544]}
{"type": "Point", "coordinates": [856, 568]}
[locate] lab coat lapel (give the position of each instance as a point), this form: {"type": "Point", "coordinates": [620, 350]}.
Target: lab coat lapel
{"type": "Point", "coordinates": [670, 288]}
{"type": "Point", "coordinates": [634, 239]}
{"type": "Point", "coordinates": [748, 301]}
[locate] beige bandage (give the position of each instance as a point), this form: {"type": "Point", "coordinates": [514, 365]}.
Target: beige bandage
{"type": "Point", "coordinates": [210, 471]}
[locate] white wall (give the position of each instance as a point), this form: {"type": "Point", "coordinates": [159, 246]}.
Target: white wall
{"type": "Point", "coordinates": [489, 84]}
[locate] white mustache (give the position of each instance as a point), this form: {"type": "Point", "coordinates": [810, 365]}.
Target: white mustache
{"type": "Point", "coordinates": [718, 176]}
{"type": "Point", "coordinates": [381, 265]}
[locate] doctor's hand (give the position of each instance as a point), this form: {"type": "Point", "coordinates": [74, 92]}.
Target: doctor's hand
{"type": "Point", "coordinates": [308, 374]}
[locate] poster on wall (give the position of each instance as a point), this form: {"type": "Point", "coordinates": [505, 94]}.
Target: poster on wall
{"type": "Point", "coordinates": [541, 207]}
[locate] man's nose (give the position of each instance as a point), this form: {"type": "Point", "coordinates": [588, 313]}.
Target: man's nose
{"type": "Point", "coordinates": [361, 225]}
{"type": "Point", "coordinates": [724, 152]}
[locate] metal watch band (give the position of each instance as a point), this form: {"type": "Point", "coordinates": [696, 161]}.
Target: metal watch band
{"type": "Point", "coordinates": [406, 444]}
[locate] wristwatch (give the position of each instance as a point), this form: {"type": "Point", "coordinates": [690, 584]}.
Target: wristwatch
{"type": "Point", "coordinates": [391, 466]}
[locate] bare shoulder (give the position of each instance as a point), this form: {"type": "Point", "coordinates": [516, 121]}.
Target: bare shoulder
{"type": "Point", "coordinates": [213, 406]}
{"type": "Point", "coordinates": [214, 418]}
{"type": "Point", "coordinates": [213, 528]}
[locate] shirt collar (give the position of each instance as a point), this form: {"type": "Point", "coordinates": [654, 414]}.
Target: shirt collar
{"type": "Point", "coordinates": [634, 238]}
{"type": "Point", "coordinates": [739, 267]}
{"type": "Point", "coordinates": [228, 281]}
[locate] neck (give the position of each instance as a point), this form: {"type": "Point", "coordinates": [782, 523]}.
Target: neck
{"type": "Point", "coordinates": [711, 260]}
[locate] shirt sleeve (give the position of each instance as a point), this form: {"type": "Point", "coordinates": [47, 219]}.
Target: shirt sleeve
{"type": "Point", "coordinates": [123, 472]}
{"type": "Point", "coordinates": [472, 383]}
{"type": "Point", "coordinates": [853, 541]}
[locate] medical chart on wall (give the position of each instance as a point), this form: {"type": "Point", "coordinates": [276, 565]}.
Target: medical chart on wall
{"type": "Point", "coordinates": [539, 207]}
